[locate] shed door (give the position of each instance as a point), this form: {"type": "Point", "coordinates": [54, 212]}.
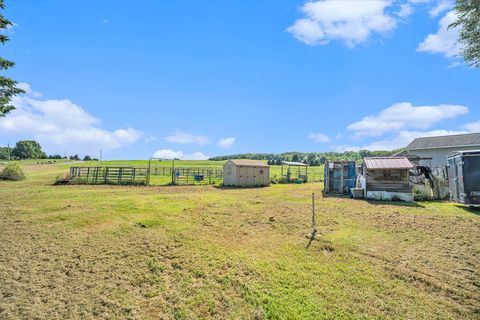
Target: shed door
{"type": "Point", "coordinates": [452, 179]}
{"type": "Point", "coordinates": [242, 176]}
{"type": "Point", "coordinates": [250, 176]}
{"type": "Point", "coordinates": [260, 176]}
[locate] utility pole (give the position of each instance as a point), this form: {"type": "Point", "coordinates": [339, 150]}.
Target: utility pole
{"type": "Point", "coordinates": [100, 155]}
{"type": "Point", "coordinates": [8, 150]}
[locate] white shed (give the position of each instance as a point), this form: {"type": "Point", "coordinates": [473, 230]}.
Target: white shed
{"type": "Point", "coordinates": [246, 173]}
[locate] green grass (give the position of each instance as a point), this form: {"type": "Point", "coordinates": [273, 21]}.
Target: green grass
{"type": "Point", "coordinates": [205, 252]}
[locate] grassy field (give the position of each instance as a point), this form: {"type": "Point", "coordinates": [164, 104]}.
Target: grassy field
{"type": "Point", "coordinates": [205, 252]}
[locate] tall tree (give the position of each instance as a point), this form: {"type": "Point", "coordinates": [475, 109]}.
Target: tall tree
{"type": "Point", "coordinates": [8, 87]}
{"type": "Point", "coordinates": [28, 149]}
{"type": "Point", "coordinates": [468, 13]}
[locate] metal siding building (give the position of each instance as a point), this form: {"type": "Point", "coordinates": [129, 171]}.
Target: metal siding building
{"type": "Point", "coordinates": [246, 173]}
{"type": "Point", "coordinates": [433, 151]}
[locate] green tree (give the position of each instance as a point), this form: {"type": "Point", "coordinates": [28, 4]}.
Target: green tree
{"type": "Point", "coordinates": [295, 158]}
{"type": "Point", "coordinates": [468, 13]}
{"type": "Point", "coordinates": [311, 158]}
{"type": "Point", "coordinates": [5, 153]}
{"type": "Point", "coordinates": [8, 87]}
{"type": "Point", "coordinates": [28, 149]}
{"type": "Point", "coordinates": [87, 158]}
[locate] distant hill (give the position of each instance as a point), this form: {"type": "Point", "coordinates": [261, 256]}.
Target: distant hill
{"type": "Point", "coordinates": [311, 158]}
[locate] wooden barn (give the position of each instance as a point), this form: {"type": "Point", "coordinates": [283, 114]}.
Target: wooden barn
{"type": "Point", "coordinates": [246, 173]}
{"type": "Point", "coordinates": [387, 178]}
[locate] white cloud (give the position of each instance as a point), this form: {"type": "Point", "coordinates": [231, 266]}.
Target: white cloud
{"type": "Point", "coordinates": [352, 22]}
{"type": "Point", "coordinates": [319, 137]}
{"type": "Point", "coordinates": [196, 156]}
{"type": "Point", "coordinates": [445, 41]}
{"type": "Point", "coordinates": [472, 127]}
{"type": "Point", "coordinates": [405, 10]}
{"type": "Point", "coordinates": [226, 143]}
{"type": "Point", "coordinates": [28, 90]}
{"type": "Point", "coordinates": [440, 7]}
{"type": "Point", "coordinates": [61, 125]}
{"type": "Point", "coordinates": [186, 138]}
{"type": "Point", "coordinates": [151, 139]}
{"type": "Point", "coordinates": [400, 140]}
{"type": "Point", "coordinates": [171, 154]}
{"type": "Point", "coordinates": [401, 116]}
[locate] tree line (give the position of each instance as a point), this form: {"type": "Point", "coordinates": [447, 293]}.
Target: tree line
{"type": "Point", "coordinates": [310, 158]}
{"type": "Point", "coordinates": [31, 149]}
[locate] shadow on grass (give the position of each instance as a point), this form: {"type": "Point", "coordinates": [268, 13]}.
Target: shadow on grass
{"type": "Point", "coordinates": [238, 188]}
{"type": "Point", "coordinates": [474, 210]}
{"type": "Point", "coordinates": [312, 238]}
{"type": "Point", "coordinates": [396, 203]}
{"type": "Point", "coordinates": [338, 196]}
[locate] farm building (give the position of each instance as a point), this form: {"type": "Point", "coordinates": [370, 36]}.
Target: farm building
{"type": "Point", "coordinates": [246, 173]}
{"type": "Point", "coordinates": [340, 177]}
{"type": "Point", "coordinates": [387, 178]}
{"type": "Point", "coordinates": [433, 151]}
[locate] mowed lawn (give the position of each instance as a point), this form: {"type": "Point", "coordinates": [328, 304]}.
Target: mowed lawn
{"type": "Point", "coordinates": [205, 252]}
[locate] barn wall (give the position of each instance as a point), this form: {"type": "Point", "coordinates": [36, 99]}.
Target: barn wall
{"type": "Point", "coordinates": [381, 180]}
{"type": "Point", "coordinates": [388, 184]}
{"type": "Point", "coordinates": [439, 156]}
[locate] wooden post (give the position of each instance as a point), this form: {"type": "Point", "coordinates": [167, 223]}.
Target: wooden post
{"type": "Point", "coordinates": [314, 222]}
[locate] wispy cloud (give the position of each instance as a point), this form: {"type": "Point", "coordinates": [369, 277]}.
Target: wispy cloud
{"type": "Point", "coordinates": [319, 137]}
{"type": "Point", "coordinates": [226, 143]}
{"type": "Point", "coordinates": [401, 116]}
{"type": "Point", "coordinates": [472, 127]}
{"type": "Point", "coordinates": [28, 90]}
{"type": "Point", "coordinates": [440, 7]}
{"type": "Point", "coordinates": [397, 141]}
{"type": "Point", "coordinates": [445, 40]}
{"type": "Point", "coordinates": [171, 154]}
{"type": "Point", "coordinates": [187, 138]}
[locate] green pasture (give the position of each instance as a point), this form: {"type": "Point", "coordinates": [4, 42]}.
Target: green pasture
{"type": "Point", "coordinates": [204, 252]}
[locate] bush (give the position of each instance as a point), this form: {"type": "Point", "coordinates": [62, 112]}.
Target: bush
{"type": "Point", "coordinates": [62, 180]}
{"type": "Point", "coordinates": [13, 172]}
{"type": "Point", "coordinates": [420, 195]}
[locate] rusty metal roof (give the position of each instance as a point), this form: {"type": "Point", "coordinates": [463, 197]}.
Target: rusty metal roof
{"type": "Point", "coordinates": [249, 163]}
{"type": "Point", "coordinates": [388, 163]}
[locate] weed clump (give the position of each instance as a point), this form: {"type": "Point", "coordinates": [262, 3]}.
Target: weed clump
{"type": "Point", "coordinates": [12, 172]}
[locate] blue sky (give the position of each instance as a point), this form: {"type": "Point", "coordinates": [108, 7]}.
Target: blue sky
{"type": "Point", "coordinates": [203, 78]}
